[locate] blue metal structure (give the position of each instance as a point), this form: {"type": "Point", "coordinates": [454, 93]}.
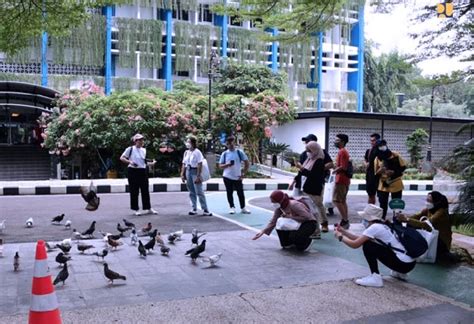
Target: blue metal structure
{"type": "Point", "coordinates": [44, 59]}
{"type": "Point", "coordinates": [168, 62]}
{"type": "Point", "coordinates": [274, 51]}
{"type": "Point", "coordinates": [320, 69]}
{"type": "Point", "coordinates": [355, 81]}
{"type": "Point", "coordinates": [108, 50]}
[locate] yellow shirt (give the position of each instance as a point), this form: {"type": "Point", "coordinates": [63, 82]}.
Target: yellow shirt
{"type": "Point", "coordinates": [395, 184]}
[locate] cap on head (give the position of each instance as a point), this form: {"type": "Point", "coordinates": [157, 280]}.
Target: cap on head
{"type": "Point", "coordinates": [137, 137]}
{"type": "Point", "coordinates": [371, 212]}
{"type": "Point", "coordinates": [229, 139]}
{"type": "Point", "coordinates": [382, 142]}
{"type": "Point", "coordinates": [309, 138]}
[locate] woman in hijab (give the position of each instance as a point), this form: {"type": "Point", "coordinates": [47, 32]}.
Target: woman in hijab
{"type": "Point", "coordinates": [437, 211]}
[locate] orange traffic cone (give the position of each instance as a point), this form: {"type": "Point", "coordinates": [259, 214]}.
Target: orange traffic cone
{"type": "Point", "coordinates": [44, 304]}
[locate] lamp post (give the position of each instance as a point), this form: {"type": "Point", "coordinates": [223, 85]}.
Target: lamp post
{"type": "Point", "coordinates": [428, 151]}
{"type": "Point", "coordinates": [214, 63]}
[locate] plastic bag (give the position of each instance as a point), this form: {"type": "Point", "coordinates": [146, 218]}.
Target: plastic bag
{"type": "Point", "coordinates": [205, 174]}
{"type": "Point", "coordinates": [432, 240]}
{"type": "Point", "coordinates": [329, 191]}
{"type": "Point", "coordinates": [287, 224]}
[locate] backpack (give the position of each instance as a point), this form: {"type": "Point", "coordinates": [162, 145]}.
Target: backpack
{"type": "Point", "coordinates": [414, 243]}
{"type": "Point", "coordinates": [350, 169]}
{"type": "Point", "coordinates": [308, 203]}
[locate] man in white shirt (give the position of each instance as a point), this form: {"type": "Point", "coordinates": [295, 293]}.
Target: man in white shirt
{"type": "Point", "coordinates": [135, 157]}
{"type": "Point", "coordinates": [231, 162]}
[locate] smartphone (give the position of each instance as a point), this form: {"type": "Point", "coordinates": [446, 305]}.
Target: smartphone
{"type": "Point", "coordinates": [232, 162]}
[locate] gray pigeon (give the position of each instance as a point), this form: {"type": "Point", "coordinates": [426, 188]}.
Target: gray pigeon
{"type": "Point", "coordinates": [62, 276]}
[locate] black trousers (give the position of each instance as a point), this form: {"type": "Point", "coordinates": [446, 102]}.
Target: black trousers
{"type": "Point", "coordinates": [299, 238]}
{"type": "Point", "coordinates": [384, 254]}
{"type": "Point", "coordinates": [230, 186]}
{"type": "Point", "coordinates": [138, 181]}
{"type": "Point", "coordinates": [383, 199]}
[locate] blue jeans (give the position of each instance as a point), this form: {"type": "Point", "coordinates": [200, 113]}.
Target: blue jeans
{"type": "Point", "coordinates": [195, 189]}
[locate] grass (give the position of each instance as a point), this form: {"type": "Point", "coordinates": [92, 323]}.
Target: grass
{"type": "Point", "coordinates": [464, 229]}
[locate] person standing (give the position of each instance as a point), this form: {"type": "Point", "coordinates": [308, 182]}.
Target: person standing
{"type": "Point", "coordinates": [135, 157]}
{"type": "Point", "coordinates": [231, 162]}
{"type": "Point", "coordinates": [389, 166]}
{"type": "Point", "coordinates": [342, 180]}
{"type": "Point", "coordinates": [191, 174]}
{"type": "Point", "coordinates": [371, 179]}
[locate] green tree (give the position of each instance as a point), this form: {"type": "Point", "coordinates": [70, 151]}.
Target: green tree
{"type": "Point", "coordinates": [23, 20]}
{"type": "Point", "coordinates": [414, 143]}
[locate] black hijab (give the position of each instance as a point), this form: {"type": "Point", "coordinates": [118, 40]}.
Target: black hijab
{"type": "Point", "coordinates": [439, 201]}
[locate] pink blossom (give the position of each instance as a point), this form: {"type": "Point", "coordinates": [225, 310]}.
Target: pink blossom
{"type": "Point", "coordinates": [70, 124]}
{"type": "Point", "coordinates": [44, 135]}
{"type": "Point", "coordinates": [268, 132]}
{"type": "Point", "coordinates": [77, 131]}
{"type": "Point", "coordinates": [238, 127]}
{"type": "Point", "coordinates": [87, 115]}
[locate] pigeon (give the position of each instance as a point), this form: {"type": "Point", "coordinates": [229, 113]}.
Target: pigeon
{"type": "Point", "coordinates": [122, 229]}
{"type": "Point", "coordinates": [67, 242]}
{"type": "Point", "coordinates": [146, 229]}
{"type": "Point", "coordinates": [141, 249]}
{"type": "Point", "coordinates": [172, 237]}
{"type": "Point", "coordinates": [150, 245]}
{"type": "Point", "coordinates": [133, 237]}
{"type": "Point", "coordinates": [153, 234]}
{"type": "Point", "coordinates": [49, 247]}
{"type": "Point", "coordinates": [84, 247]}
{"type": "Point", "coordinates": [128, 224]}
{"type": "Point", "coordinates": [62, 259]}
{"type": "Point", "coordinates": [90, 197]}
{"type": "Point", "coordinates": [16, 262]}
{"type": "Point", "coordinates": [194, 252]}
{"type": "Point", "coordinates": [179, 234]}
{"type": "Point", "coordinates": [58, 219]}
{"type": "Point", "coordinates": [102, 255]}
{"type": "Point", "coordinates": [90, 230]}
{"type": "Point", "coordinates": [115, 237]}
{"type": "Point", "coordinates": [64, 248]}
{"type": "Point", "coordinates": [68, 224]}
{"type": "Point", "coordinates": [164, 249]}
{"type": "Point", "coordinates": [1, 247]}
{"type": "Point", "coordinates": [29, 222]}
{"type": "Point", "coordinates": [112, 275]}
{"type": "Point", "coordinates": [76, 235]}
{"type": "Point", "coordinates": [62, 276]}
{"type": "Point", "coordinates": [213, 259]}
{"type": "Point", "coordinates": [158, 239]}
{"type": "Point", "coordinates": [2, 226]}
{"type": "Point", "coordinates": [113, 243]}
{"type": "Point", "coordinates": [196, 237]}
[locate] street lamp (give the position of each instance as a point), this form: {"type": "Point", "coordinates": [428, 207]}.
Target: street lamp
{"type": "Point", "coordinates": [400, 98]}
{"type": "Point", "coordinates": [428, 151]}
{"type": "Point", "coordinates": [214, 63]}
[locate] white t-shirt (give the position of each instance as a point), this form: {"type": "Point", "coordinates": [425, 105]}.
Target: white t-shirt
{"type": "Point", "coordinates": [192, 158]}
{"type": "Point", "coordinates": [233, 172]}
{"type": "Point", "coordinates": [383, 233]}
{"type": "Point", "coordinates": [138, 156]}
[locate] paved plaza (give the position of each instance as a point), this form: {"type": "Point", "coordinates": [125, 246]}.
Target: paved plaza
{"type": "Point", "coordinates": [255, 281]}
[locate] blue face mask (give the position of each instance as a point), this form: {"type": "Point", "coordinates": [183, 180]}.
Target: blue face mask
{"type": "Point", "coordinates": [365, 223]}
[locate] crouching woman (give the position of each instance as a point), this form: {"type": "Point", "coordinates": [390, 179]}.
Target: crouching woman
{"type": "Point", "coordinates": [376, 241]}
{"type": "Point", "coordinates": [288, 208]}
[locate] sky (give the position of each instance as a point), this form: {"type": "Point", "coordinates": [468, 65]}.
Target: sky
{"type": "Point", "coordinates": [391, 32]}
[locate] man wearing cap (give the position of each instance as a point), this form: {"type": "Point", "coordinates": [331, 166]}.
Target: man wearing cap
{"type": "Point", "coordinates": [376, 241]}
{"type": "Point", "coordinates": [231, 162]}
{"type": "Point", "coordinates": [135, 157]}
{"type": "Point", "coordinates": [287, 207]}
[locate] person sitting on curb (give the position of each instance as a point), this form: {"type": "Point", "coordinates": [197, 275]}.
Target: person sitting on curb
{"type": "Point", "coordinates": [296, 210]}
{"type": "Point", "coordinates": [399, 262]}
{"type": "Point", "coordinates": [437, 213]}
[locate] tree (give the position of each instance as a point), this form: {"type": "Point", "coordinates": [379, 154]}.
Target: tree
{"type": "Point", "coordinates": [305, 18]}
{"type": "Point", "coordinates": [24, 20]}
{"type": "Point", "coordinates": [415, 142]}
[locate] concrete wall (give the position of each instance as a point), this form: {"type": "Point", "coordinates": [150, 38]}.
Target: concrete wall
{"type": "Point", "coordinates": [291, 134]}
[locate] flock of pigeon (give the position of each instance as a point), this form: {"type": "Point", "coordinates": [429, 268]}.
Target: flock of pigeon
{"type": "Point", "coordinates": [112, 242]}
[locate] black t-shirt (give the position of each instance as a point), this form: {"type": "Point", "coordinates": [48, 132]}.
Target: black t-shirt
{"type": "Point", "coordinates": [304, 156]}
{"type": "Point", "coordinates": [369, 157]}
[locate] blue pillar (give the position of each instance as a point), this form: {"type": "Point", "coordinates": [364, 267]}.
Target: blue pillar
{"type": "Point", "coordinates": [44, 59]}
{"type": "Point", "coordinates": [274, 52]}
{"type": "Point", "coordinates": [320, 69]}
{"type": "Point", "coordinates": [108, 50]}
{"type": "Point", "coordinates": [168, 58]}
{"type": "Point", "coordinates": [356, 79]}
{"type": "Point", "coordinates": [223, 22]}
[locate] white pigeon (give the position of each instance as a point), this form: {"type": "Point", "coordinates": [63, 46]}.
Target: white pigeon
{"type": "Point", "coordinates": [68, 224]}
{"type": "Point", "coordinates": [2, 226]}
{"type": "Point", "coordinates": [76, 235]}
{"type": "Point", "coordinates": [67, 242]}
{"type": "Point", "coordinates": [178, 234]}
{"type": "Point", "coordinates": [29, 222]}
{"type": "Point", "coordinates": [213, 259]}
{"type": "Point", "coordinates": [133, 238]}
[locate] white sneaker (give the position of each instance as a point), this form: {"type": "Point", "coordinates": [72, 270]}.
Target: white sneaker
{"type": "Point", "coordinates": [151, 211]}
{"type": "Point", "coordinates": [398, 275]}
{"type": "Point", "coordinates": [137, 213]}
{"type": "Point", "coordinates": [245, 211]}
{"type": "Point", "coordinates": [232, 211]}
{"type": "Point", "coordinates": [373, 280]}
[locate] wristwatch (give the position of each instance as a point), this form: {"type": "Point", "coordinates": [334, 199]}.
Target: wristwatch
{"type": "Point", "coordinates": [340, 238]}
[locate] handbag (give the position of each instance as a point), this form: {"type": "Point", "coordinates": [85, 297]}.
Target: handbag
{"type": "Point", "coordinates": [329, 191]}
{"type": "Point", "coordinates": [287, 224]}
{"type": "Point", "coordinates": [205, 174]}
{"type": "Point", "coordinates": [432, 239]}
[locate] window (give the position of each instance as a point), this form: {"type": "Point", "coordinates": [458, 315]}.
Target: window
{"type": "Point", "coordinates": [204, 14]}
{"type": "Point", "coordinates": [235, 21]}
{"type": "Point", "coordinates": [180, 14]}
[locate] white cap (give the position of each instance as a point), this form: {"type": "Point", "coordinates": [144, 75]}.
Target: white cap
{"type": "Point", "coordinates": [136, 137]}
{"type": "Point", "coordinates": [371, 212]}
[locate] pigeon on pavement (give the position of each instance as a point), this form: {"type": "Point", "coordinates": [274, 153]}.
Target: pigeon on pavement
{"type": "Point", "coordinates": [16, 262]}
{"type": "Point", "coordinates": [90, 230]}
{"type": "Point", "coordinates": [61, 258]}
{"type": "Point", "coordinates": [58, 219]}
{"type": "Point", "coordinates": [68, 224]}
{"type": "Point", "coordinates": [102, 255]}
{"type": "Point", "coordinates": [122, 229]}
{"type": "Point", "coordinates": [178, 234]}
{"type": "Point", "coordinates": [158, 239]}
{"type": "Point", "coordinates": [133, 237]}
{"type": "Point", "coordinates": [76, 235]}
{"type": "Point", "coordinates": [62, 275]}
{"type": "Point", "coordinates": [49, 247]}
{"type": "Point", "coordinates": [128, 224]}
{"type": "Point", "coordinates": [113, 243]}
{"type": "Point", "coordinates": [29, 222]}
{"type": "Point", "coordinates": [1, 247]}
{"type": "Point", "coordinates": [67, 242]}
{"type": "Point", "coordinates": [194, 252]}
{"type": "Point", "coordinates": [153, 234]}
{"type": "Point", "coordinates": [164, 249]}
{"type": "Point", "coordinates": [2, 226]}
{"type": "Point", "coordinates": [112, 275]}
{"type": "Point", "coordinates": [90, 197]}
{"type": "Point", "coordinates": [172, 237]}
{"type": "Point", "coordinates": [64, 248]}
{"type": "Point", "coordinates": [146, 229]}
{"type": "Point", "coordinates": [84, 247]}
{"type": "Point", "coordinates": [150, 245]}
{"type": "Point", "coordinates": [196, 237]}
{"type": "Point", "coordinates": [213, 259]}
{"type": "Point", "coordinates": [141, 249]}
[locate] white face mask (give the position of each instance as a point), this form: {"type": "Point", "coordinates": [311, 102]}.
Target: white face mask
{"type": "Point", "coordinates": [382, 148]}
{"type": "Point", "coordinates": [276, 205]}
{"type": "Point", "coordinates": [188, 145]}
{"type": "Point", "coordinates": [310, 154]}
{"type": "Point", "coordinates": [429, 205]}
{"type": "Point", "coordinates": [365, 223]}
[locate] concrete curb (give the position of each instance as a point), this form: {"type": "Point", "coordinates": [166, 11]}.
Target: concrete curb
{"type": "Point", "coordinates": [59, 187]}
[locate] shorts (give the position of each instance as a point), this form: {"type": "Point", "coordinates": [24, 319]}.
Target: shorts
{"type": "Point", "coordinates": [340, 193]}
